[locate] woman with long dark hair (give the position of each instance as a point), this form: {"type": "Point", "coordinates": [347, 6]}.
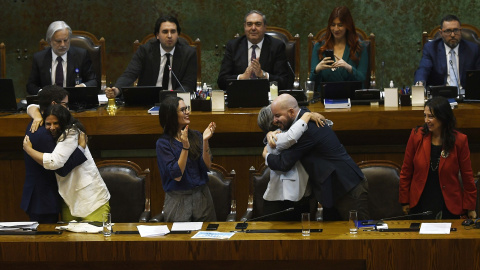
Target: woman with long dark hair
{"type": "Point", "coordinates": [351, 56]}
{"type": "Point", "coordinates": [84, 193]}
{"type": "Point", "coordinates": [184, 158]}
{"type": "Point", "coordinates": [435, 156]}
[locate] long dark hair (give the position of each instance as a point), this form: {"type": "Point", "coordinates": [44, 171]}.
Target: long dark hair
{"type": "Point", "coordinates": [168, 116]}
{"type": "Point", "coordinates": [442, 111]}
{"type": "Point", "coordinates": [344, 15]}
{"type": "Point", "coordinates": [65, 120]}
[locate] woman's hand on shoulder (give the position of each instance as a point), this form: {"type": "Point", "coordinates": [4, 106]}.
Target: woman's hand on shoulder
{"type": "Point", "coordinates": [319, 119]}
{"type": "Point", "coordinates": [208, 133]}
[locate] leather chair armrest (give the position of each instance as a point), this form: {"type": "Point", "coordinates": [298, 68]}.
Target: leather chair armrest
{"type": "Point", "coordinates": [158, 218]}
{"type": "Point", "coordinates": [248, 215]}
{"type": "Point", "coordinates": [231, 217]}
{"type": "Point", "coordinates": [145, 216]}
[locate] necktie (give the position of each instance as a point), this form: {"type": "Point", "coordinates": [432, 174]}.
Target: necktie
{"type": "Point", "coordinates": [254, 56]}
{"type": "Point", "coordinates": [453, 68]}
{"type": "Point", "coordinates": [59, 72]}
{"type": "Point", "coordinates": [166, 73]}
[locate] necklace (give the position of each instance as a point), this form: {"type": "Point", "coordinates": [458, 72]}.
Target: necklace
{"type": "Point", "coordinates": [433, 166]}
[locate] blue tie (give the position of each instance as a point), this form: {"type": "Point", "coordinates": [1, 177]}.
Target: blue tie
{"type": "Point", "coordinates": [453, 68]}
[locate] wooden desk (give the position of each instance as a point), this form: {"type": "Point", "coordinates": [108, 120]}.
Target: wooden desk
{"type": "Point", "coordinates": [334, 248]}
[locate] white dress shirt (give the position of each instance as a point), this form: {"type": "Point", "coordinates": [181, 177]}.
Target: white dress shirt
{"type": "Point", "coordinates": [163, 61]}
{"type": "Point", "coordinates": [450, 77]}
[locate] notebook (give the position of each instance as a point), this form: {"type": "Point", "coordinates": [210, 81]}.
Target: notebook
{"type": "Point", "coordinates": [472, 86]}
{"type": "Point", "coordinates": [82, 98]}
{"type": "Point", "coordinates": [340, 90]}
{"type": "Point", "coordinates": [8, 102]}
{"type": "Point", "coordinates": [247, 93]}
{"type": "Point", "coordinates": [145, 96]}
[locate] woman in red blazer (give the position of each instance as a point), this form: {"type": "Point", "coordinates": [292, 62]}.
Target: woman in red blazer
{"type": "Point", "coordinates": [436, 153]}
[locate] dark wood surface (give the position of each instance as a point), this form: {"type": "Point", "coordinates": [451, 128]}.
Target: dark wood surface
{"type": "Point", "coordinates": [334, 248]}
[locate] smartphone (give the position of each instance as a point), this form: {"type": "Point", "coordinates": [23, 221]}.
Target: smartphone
{"type": "Point", "coordinates": [415, 225]}
{"type": "Point", "coordinates": [212, 227]}
{"type": "Point", "coordinates": [329, 53]}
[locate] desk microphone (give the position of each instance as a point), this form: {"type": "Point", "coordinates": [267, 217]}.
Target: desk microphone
{"type": "Point", "coordinates": [173, 73]}
{"type": "Point", "coordinates": [295, 83]}
{"type": "Point", "coordinates": [244, 225]}
{"type": "Point", "coordinates": [456, 79]}
{"type": "Point", "coordinates": [376, 222]}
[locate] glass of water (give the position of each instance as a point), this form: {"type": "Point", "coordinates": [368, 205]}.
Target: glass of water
{"type": "Point", "coordinates": [306, 224]}
{"type": "Point", "coordinates": [107, 224]}
{"type": "Point", "coordinates": [353, 221]}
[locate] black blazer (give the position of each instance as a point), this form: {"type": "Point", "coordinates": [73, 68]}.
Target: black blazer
{"type": "Point", "coordinates": [332, 172]}
{"type": "Point", "coordinates": [145, 65]}
{"type": "Point", "coordinates": [40, 75]}
{"type": "Point", "coordinates": [272, 59]}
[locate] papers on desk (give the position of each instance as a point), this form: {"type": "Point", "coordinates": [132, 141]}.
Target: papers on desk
{"type": "Point", "coordinates": [27, 225]}
{"type": "Point", "coordinates": [187, 226]}
{"type": "Point", "coordinates": [213, 235]}
{"type": "Point", "coordinates": [435, 228]}
{"type": "Point", "coordinates": [337, 103]}
{"type": "Point", "coordinates": [81, 227]}
{"type": "Point", "coordinates": [102, 99]}
{"type": "Point", "coordinates": [152, 231]}
{"type": "Point", "coordinates": [154, 110]}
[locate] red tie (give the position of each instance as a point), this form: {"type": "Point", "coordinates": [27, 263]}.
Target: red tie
{"type": "Point", "coordinates": [254, 56]}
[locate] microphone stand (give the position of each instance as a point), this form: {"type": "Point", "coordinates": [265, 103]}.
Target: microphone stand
{"type": "Point", "coordinates": [376, 222]}
{"type": "Point", "coordinates": [244, 225]}
{"type": "Point", "coordinates": [173, 73]}
{"type": "Point", "coordinates": [456, 79]}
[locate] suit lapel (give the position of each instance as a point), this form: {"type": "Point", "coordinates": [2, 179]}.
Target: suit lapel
{"type": "Point", "coordinates": [47, 63]}
{"type": "Point", "coordinates": [461, 59]}
{"type": "Point", "coordinates": [443, 60]}
{"type": "Point", "coordinates": [156, 60]}
{"type": "Point", "coordinates": [71, 65]}
{"type": "Point", "coordinates": [177, 64]}
{"type": "Point", "coordinates": [242, 52]}
{"type": "Point", "coordinates": [427, 146]}
{"type": "Point", "coordinates": [264, 54]}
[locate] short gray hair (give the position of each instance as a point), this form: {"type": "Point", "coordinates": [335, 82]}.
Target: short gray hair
{"type": "Point", "coordinates": [57, 26]}
{"type": "Point", "coordinates": [265, 119]}
{"type": "Point", "coordinates": [257, 12]}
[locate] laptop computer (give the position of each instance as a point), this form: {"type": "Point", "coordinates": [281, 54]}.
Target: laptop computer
{"type": "Point", "coordinates": [247, 93]}
{"type": "Point", "coordinates": [472, 86]}
{"type": "Point", "coordinates": [443, 91]}
{"type": "Point", "coordinates": [145, 96]}
{"type": "Point", "coordinates": [340, 90]}
{"type": "Point", "coordinates": [8, 102]}
{"type": "Point", "coordinates": [82, 98]}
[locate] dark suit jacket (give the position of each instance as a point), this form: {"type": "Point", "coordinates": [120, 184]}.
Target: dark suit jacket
{"type": "Point", "coordinates": [272, 59]}
{"type": "Point", "coordinates": [332, 172]}
{"type": "Point", "coordinates": [415, 169]}
{"type": "Point", "coordinates": [145, 66]}
{"type": "Point", "coordinates": [40, 190]}
{"type": "Point", "coordinates": [40, 75]}
{"type": "Point", "coordinates": [433, 67]}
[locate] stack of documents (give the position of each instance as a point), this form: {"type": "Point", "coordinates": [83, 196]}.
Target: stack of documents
{"type": "Point", "coordinates": [154, 110]}
{"type": "Point", "coordinates": [337, 103]}
{"type": "Point", "coordinates": [187, 226]}
{"type": "Point", "coordinates": [152, 231]}
{"type": "Point", "coordinates": [10, 226]}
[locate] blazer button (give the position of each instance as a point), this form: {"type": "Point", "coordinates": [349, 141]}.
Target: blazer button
{"type": "Point", "coordinates": [443, 187]}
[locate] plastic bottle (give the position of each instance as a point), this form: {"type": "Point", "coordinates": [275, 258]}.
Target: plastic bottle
{"type": "Point", "coordinates": [78, 79]}
{"type": "Point", "coordinates": [319, 214]}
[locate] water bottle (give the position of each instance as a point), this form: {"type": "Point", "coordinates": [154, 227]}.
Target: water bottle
{"type": "Point", "coordinates": [319, 214]}
{"type": "Point", "coordinates": [78, 79]}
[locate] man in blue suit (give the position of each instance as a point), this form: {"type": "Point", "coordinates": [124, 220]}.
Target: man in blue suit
{"type": "Point", "coordinates": [40, 198]}
{"type": "Point", "coordinates": [446, 61]}
{"type": "Point", "coordinates": [336, 180]}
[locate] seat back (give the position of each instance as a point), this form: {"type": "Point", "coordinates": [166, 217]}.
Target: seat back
{"type": "Point", "coordinates": [258, 185]}
{"type": "Point", "coordinates": [222, 187]}
{"type": "Point", "coordinates": [383, 178]}
{"type": "Point", "coordinates": [95, 48]}
{"type": "Point", "coordinates": [469, 32]}
{"type": "Point", "coordinates": [368, 40]}
{"type": "Point", "coordinates": [129, 188]}
{"type": "Point", "coordinates": [184, 39]}
{"type": "Point", "coordinates": [292, 49]}
{"type": "Point", "coordinates": [3, 65]}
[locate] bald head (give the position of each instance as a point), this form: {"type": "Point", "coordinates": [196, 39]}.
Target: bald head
{"type": "Point", "coordinates": [285, 109]}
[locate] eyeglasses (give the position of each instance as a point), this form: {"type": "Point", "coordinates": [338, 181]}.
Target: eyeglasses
{"type": "Point", "coordinates": [185, 109]}
{"type": "Point", "coordinates": [257, 24]}
{"type": "Point", "coordinates": [456, 31]}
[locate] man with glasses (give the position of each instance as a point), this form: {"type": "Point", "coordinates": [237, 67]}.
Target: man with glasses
{"type": "Point", "coordinates": [255, 55]}
{"type": "Point", "coordinates": [446, 61]}
{"type": "Point", "coordinates": [40, 198]}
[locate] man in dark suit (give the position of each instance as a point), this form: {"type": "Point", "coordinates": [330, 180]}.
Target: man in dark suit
{"type": "Point", "coordinates": [72, 62]}
{"type": "Point", "coordinates": [255, 55]}
{"type": "Point", "coordinates": [40, 198]}
{"type": "Point", "coordinates": [151, 61]}
{"type": "Point", "coordinates": [445, 61]}
{"type": "Point", "coordinates": [337, 182]}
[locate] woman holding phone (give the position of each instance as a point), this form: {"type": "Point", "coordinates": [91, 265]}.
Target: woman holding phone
{"type": "Point", "coordinates": [339, 55]}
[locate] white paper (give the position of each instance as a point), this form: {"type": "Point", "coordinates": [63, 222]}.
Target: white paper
{"type": "Point", "coordinates": [27, 225]}
{"type": "Point", "coordinates": [435, 228]}
{"type": "Point", "coordinates": [218, 101]}
{"type": "Point", "coordinates": [418, 96]}
{"type": "Point", "coordinates": [391, 97]}
{"type": "Point", "coordinates": [151, 231]}
{"type": "Point", "coordinates": [102, 99]}
{"type": "Point", "coordinates": [213, 235]}
{"type": "Point", "coordinates": [187, 226]}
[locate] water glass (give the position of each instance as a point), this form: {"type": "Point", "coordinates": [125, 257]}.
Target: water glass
{"type": "Point", "coordinates": [107, 224]}
{"type": "Point", "coordinates": [306, 224]}
{"type": "Point", "coordinates": [353, 221]}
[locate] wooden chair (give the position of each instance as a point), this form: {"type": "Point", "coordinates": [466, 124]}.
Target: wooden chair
{"type": "Point", "coordinates": [383, 178]}
{"type": "Point", "coordinates": [184, 39]}
{"type": "Point", "coordinates": [469, 32]}
{"type": "Point", "coordinates": [369, 40]}
{"type": "Point", "coordinates": [129, 187]}
{"type": "Point", "coordinates": [3, 65]}
{"type": "Point", "coordinates": [96, 49]}
{"type": "Point", "coordinates": [292, 50]}
{"type": "Point", "coordinates": [222, 187]}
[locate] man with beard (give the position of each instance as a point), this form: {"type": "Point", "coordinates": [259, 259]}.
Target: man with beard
{"type": "Point", "coordinates": [445, 61]}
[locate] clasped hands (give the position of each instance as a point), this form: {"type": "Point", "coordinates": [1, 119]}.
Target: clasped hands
{"type": "Point", "coordinates": [255, 67]}
{"type": "Point", "coordinates": [327, 63]}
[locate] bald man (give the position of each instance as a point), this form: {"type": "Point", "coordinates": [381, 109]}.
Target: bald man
{"type": "Point", "coordinates": [336, 180]}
